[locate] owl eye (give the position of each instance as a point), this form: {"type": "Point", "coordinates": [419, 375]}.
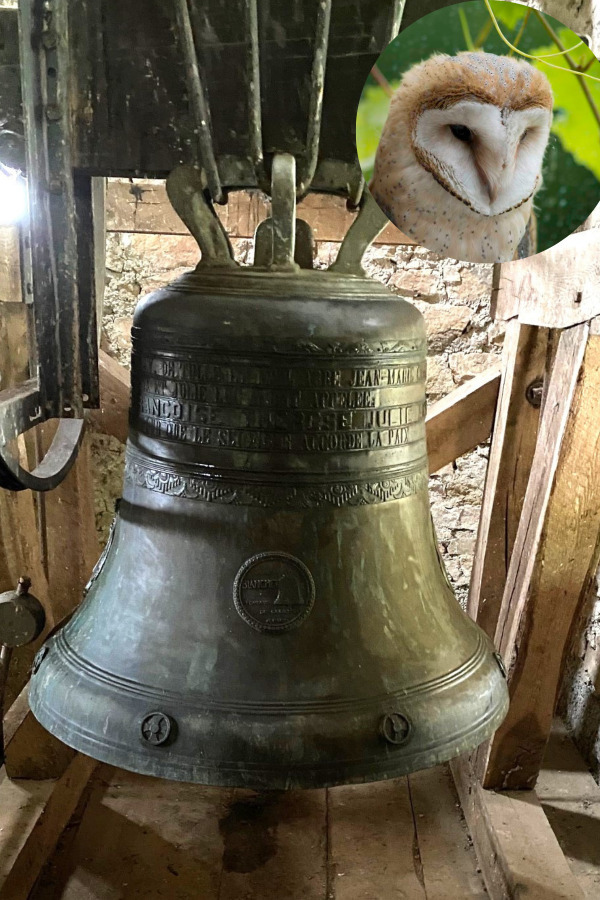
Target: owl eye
{"type": "Point", "coordinates": [462, 133]}
{"type": "Point", "coordinates": [525, 134]}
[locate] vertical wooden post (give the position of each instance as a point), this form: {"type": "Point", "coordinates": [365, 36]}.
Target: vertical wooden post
{"type": "Point", "coordinates": [49, 537]}
{"type": "Point", "coordinates": [555, 553]}
{"type": "Point", "coordinates": [511, 454]}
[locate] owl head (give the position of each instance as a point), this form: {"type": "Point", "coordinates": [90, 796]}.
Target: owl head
{"type": "Point", "coordinates": [478, 124]}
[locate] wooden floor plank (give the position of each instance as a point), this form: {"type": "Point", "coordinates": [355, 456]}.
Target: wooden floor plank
{"type": "Point", "coordinates": [450, 868]}
{"type": "Point", "coordinates": [143, 837]}
{"type": "Point", "coordinates": [517, 850]}
{"type": "Point", "coordinates": [42, 829]}
{"type": "Point", "coordinates": [570, 799]}
{"type": "Point", "coordinates": [21, 803]}
{"type": "Point", "coordinates": [372, 843]}
{"type": "Point", "coordinates": [274, 846]}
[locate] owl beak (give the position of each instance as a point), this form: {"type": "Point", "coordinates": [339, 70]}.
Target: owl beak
{"type": "Point", "coordinates": [490, 184]}
{"type": "Point", "coordinates": [492, 189]}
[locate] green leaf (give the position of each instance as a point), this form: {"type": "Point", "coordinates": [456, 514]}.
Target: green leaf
{"type": "Point", "coordinates": [574, 122]}
{"type": "Point", "coordinates": [509, 14]}
{"type": "Point", "coordinates": [370, 119]}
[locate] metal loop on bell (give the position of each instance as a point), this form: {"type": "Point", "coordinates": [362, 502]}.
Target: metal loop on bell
{"type": "Point", "coordinates": [283, 205]}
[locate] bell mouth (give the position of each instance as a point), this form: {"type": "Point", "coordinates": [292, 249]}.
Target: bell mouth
{"type": "Point", "coordinates": [309, 745]}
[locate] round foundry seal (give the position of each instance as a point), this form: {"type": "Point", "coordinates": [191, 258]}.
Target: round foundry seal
{"type": "Point", "coordinates": [273, 592]}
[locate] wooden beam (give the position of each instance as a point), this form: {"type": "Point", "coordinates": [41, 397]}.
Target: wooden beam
{"type": "Point", "coordinates": [516, 848]}
{"type": "Point", "coordinates": [33, 816]}
{"type": "Point", "coordinates": [10, 269]}
{"type": "Point", "coordinates": [558, 288]}
{"type": "Point", "coordinates": [511, 454]}
{"type": "Point", "coordinates": [31, 751]}
{"type": "Point", "coordinates": [37, 533]}
{"type": "Point", "coordinates": [115, 387]}
{"type": "Point", "coordinates": [555, 553]}
{"type": "Point", "coordinates": [144, 207]}
{"type": "Point", "coordinates": [462, 419]}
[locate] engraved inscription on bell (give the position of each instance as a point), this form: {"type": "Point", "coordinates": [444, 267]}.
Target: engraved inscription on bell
{"type": "Point", "coordinates": [274, 592]}
{"type": "Point", "coordinates": [306, 408]}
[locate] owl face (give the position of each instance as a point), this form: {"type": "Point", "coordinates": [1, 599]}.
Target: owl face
{"type": "Point", "coordinates": [488, 157]}
{"type": "Point", "coordinates": [460, 156]}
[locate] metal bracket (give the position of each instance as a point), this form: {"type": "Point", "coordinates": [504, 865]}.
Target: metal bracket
{"type": "Point", "coordinates": [185, 189]}
{"type": "Point", "coordinates": [55, 465]}
{"type": "Point", "coordinates": [369, 223]}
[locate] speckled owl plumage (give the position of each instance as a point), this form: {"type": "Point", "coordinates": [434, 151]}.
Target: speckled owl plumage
{"type": "Point", "coordinates": [468, 196]}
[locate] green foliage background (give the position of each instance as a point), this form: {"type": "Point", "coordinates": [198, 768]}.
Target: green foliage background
{"type": "Point", "coordinates": [572, 164]}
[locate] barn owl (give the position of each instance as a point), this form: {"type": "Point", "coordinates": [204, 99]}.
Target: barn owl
{"type": "Point", "coordinates": [460, 156]}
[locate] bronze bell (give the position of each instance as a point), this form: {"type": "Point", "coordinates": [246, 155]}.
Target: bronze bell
{"type": "Point", "coordinates": [271, 609]}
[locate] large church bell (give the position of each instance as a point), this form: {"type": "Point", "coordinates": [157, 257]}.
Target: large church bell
{"type": "Point", "coordinates": [271, 609]}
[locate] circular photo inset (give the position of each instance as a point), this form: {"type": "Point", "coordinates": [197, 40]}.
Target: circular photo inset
{"type": "Point", "coordinates": [478, 131]}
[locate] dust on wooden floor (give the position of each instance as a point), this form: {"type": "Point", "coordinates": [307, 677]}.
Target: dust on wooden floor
{"type": "Point", "coordinates": [135, 837]}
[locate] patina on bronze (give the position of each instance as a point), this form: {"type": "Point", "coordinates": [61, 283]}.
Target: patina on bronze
{"type": "Point", "coordinates": [272, 610]}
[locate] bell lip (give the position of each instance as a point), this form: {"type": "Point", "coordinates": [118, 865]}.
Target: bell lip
{"type": "Point", "coordinates": [298, 777]}
{"type": "Point", "coordinates": [379, 761]}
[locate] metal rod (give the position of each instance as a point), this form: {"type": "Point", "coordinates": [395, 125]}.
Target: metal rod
{"type": "Point", "coordinates": [198, 100]}
{"type": "Point", "coordinates": [396, 19]}
{"type": "Point", "coordinates": [254, 100]}
{"type": "Point", "coordinates": [315, 109]}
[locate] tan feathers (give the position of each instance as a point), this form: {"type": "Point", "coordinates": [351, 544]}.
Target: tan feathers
{"type": "Point", "coordinates": [460, 156]}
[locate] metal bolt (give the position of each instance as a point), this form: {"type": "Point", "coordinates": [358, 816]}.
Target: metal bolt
{"type": "Point", "coordinates": [156, 728]}
{"type": "Point", "coordinates": [49, 39]}
{"type": "Point", "coordinates": [395, 728]}
{"type": "Point", "coordinates": [53, 112]}
{"type": "Point", "coordinates": [534, 392]}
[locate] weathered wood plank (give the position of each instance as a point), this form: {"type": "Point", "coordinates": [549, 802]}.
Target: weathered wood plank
{"type": "Point", "coordinates": [21, 804]}
{"type": "Point", "coordinates": [447, 857]}
{"type": "Point", "coordinates": [33, 821]}
{"type": "Point", "coordinates": [517, 850]}
{"type": "Point", "coordinates": [69, 554]}
{"type": "Point", "coordinates": [274, 845]}
{"type": "Point", "coordinates": [549, 289]}
{"type": "Point", "coordinates": [10, 273]}
{"type": "Point", "coordinates": [145, 207]}
{"type": "Point", "coordinates": [570, 798]}
{"type": "Point", "coordinates": [554, 555]}
{"type": "Point", "coordinates": [115, 388]}
{"type": "Point", "coordinates": [372, 843]}
{"type": "Point", "coordinates": [462, 419]}
{"type": "Point", "coordinates": [511, 454]}
{"type": "Point", "coordinates": [20, 547]}
{"type": "Point", "coordinates": [32, 752]}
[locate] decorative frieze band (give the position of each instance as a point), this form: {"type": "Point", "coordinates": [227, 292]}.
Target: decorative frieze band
{"type": "Point", "coordinates": [272, 495]}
